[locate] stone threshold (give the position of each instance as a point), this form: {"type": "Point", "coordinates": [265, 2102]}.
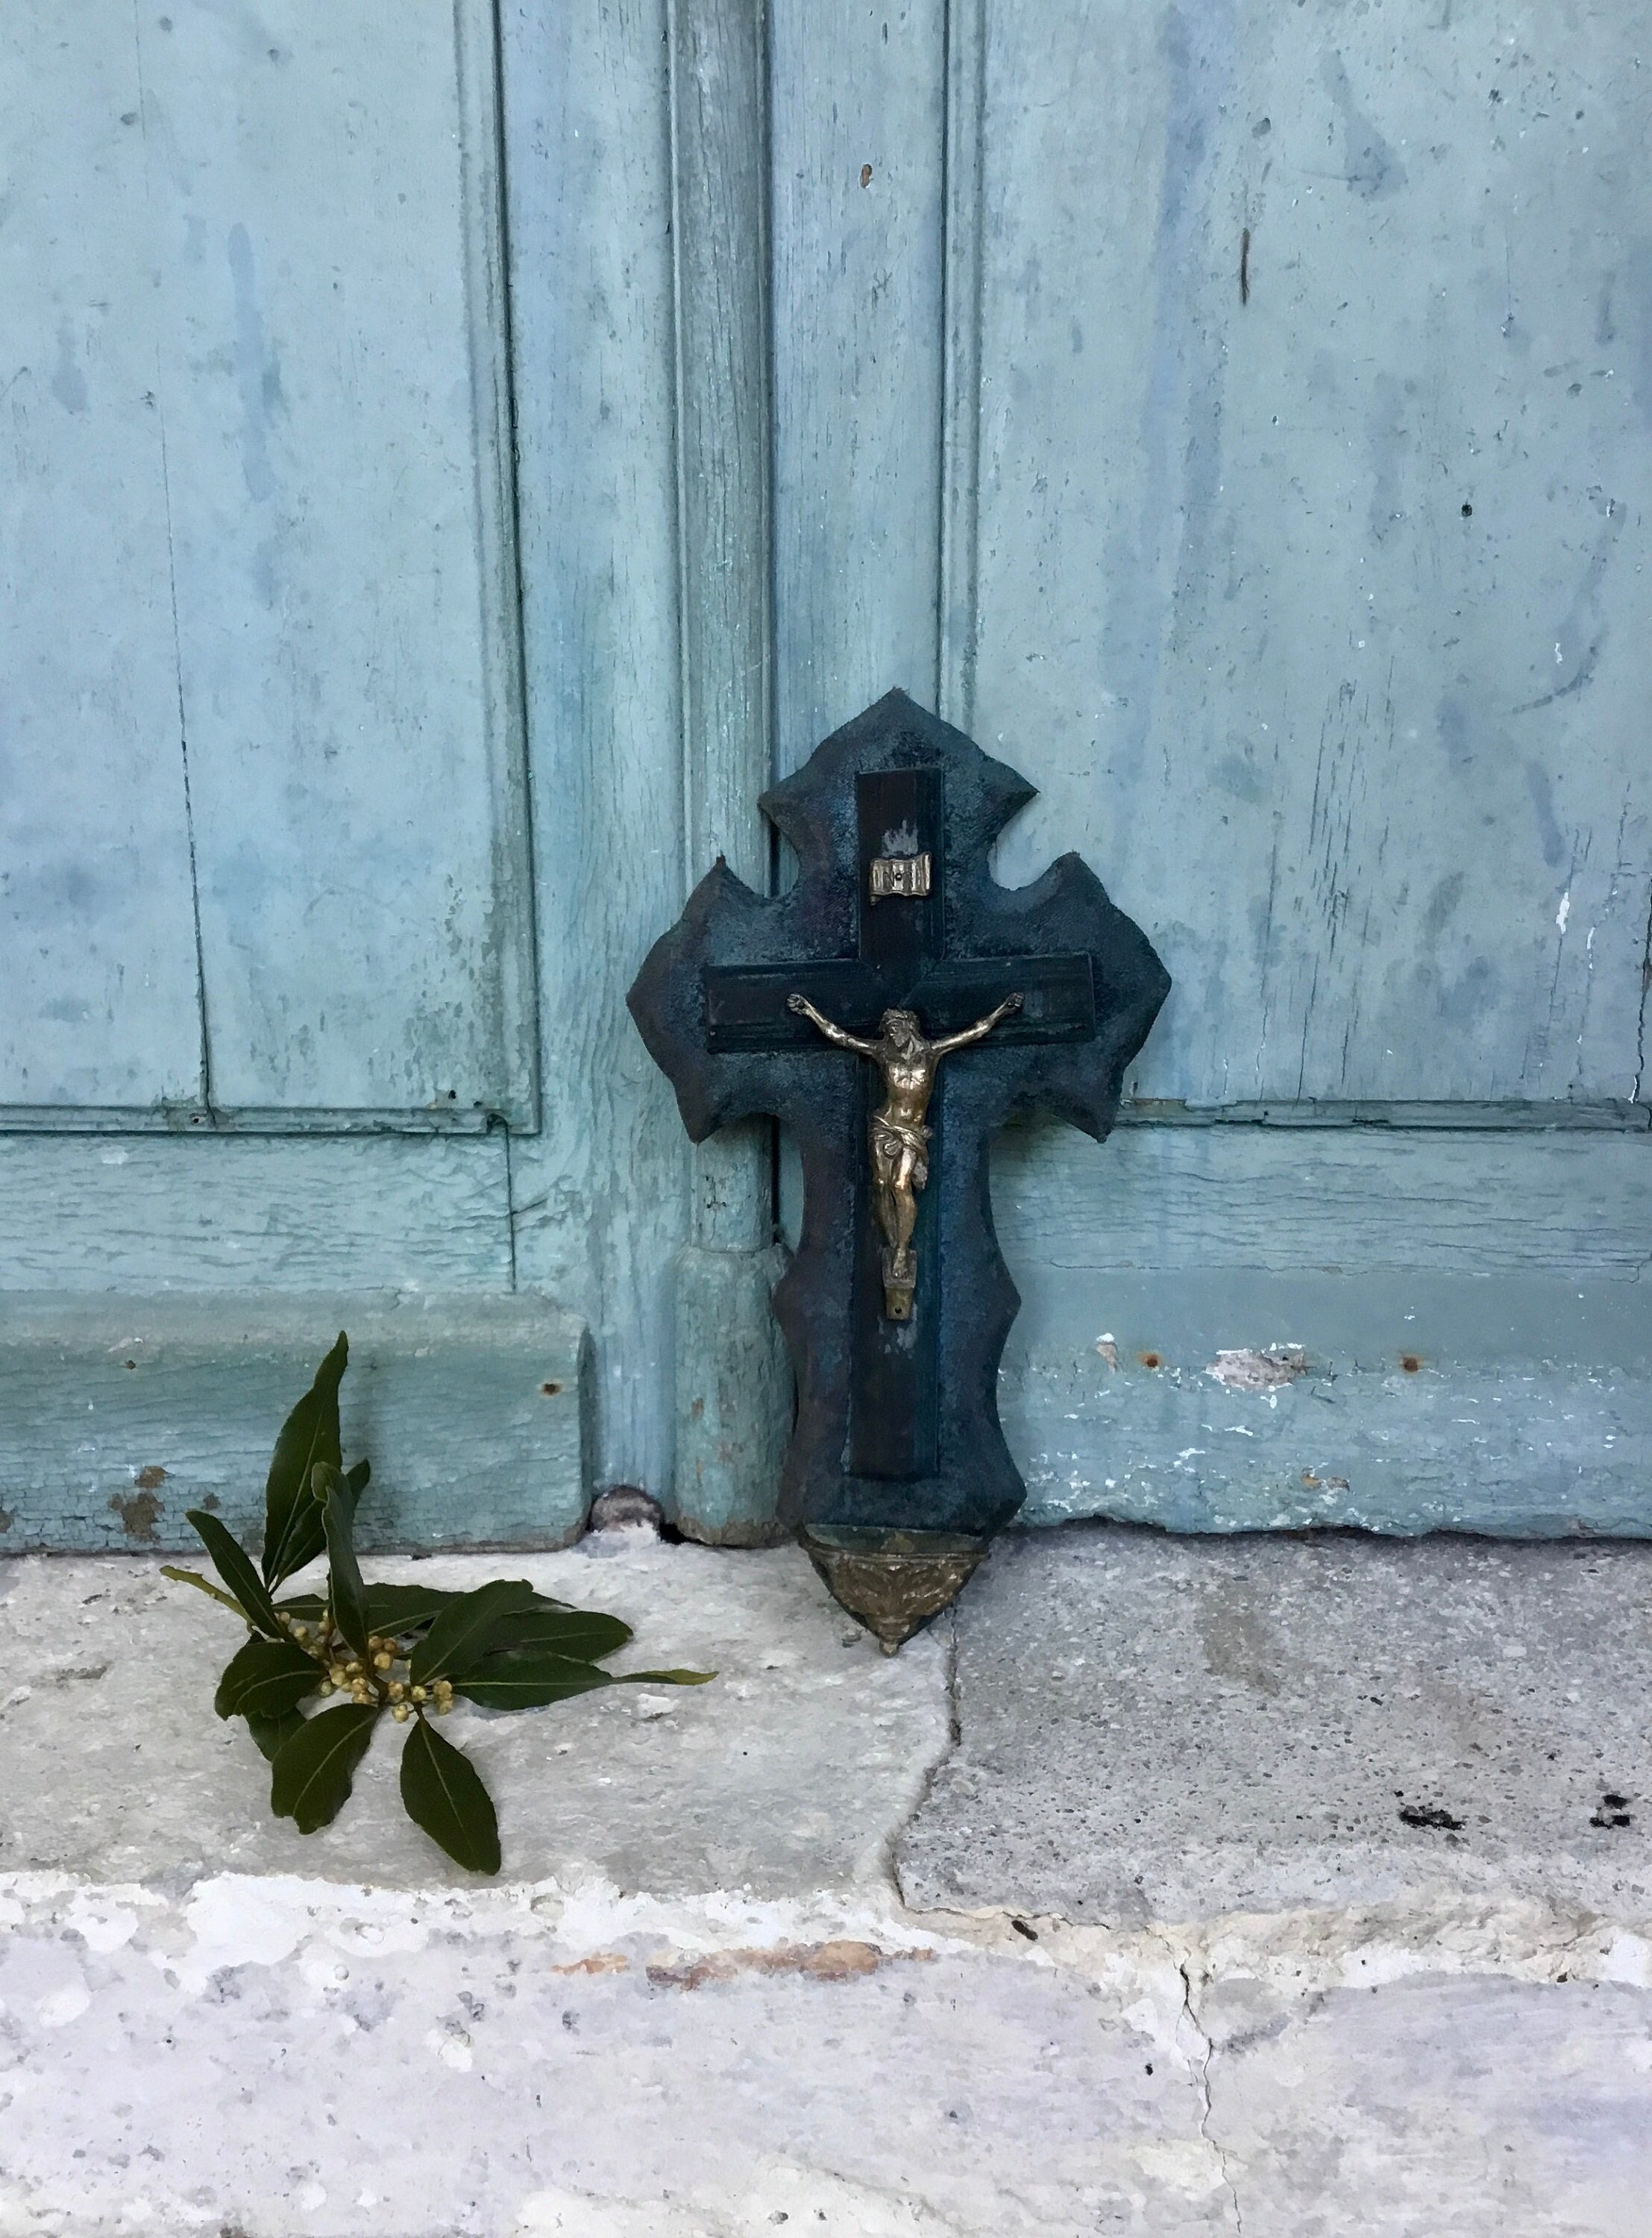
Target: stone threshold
{"type": "Point", "coordinates": [1089, 1913]}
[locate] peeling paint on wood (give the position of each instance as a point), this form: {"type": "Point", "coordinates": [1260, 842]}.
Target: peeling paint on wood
{"type": "Point", "coordinates": [447, 1397]}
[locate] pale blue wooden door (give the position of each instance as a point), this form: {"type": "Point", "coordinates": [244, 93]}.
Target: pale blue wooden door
{"type": "Point", "coordinates": [1235, 416]}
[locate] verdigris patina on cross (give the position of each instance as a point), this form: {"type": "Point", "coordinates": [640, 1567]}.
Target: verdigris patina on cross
{"type": "Point", "coordinates": [893, 1009]}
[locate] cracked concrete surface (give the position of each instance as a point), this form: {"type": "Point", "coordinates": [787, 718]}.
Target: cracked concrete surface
{"type": "Point", "coordinates": [696, 2005]}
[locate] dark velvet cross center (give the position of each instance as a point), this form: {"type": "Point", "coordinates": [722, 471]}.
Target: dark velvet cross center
{"type": "Point", "coordinates": [895, 908]}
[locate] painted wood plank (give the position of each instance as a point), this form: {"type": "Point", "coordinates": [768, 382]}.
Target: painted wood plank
{"type": "Point", "coordinates": [345, 612]}
{"type": "Point", "coordinates": [858, 101]}
{"type": "Point", "coordinates": [145, 1213]}
{"type": "Point", "coordinates": [1530, 1441]}
{"type": "Point", "coordinates": [732, 1382]}
{"type": "Point", "coordinates": [1312, 603]}
{"type": "Point", "coordinates": [118, 1415]}
{"type": "Point", "coordinates": [95, 919]}
{"type": "Point", "coordinates": [601, 1194]}
{"type": "Point", "coordinates": [1353, 1200]}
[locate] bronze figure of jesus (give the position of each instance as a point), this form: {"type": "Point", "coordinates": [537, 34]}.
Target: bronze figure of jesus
{"type": "Point", "coordinates": [900, 1140]}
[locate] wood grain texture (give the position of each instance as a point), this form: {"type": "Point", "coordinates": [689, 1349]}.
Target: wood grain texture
{"type": "Point", "coordinates": [118, 1415]}
{"type": "Point", "coordinates": [601, 1194]}
{"type": "Point", "coordinates": [858, 94]}
{"type": "Point", "coordinates": [1314, 608]}
{"type": "Point", "coordinates": [720, 159]}
{"type": "Point", "coordinates": [100, 1003]}
{"type": "Point", "coordinates": [146, 1212]}
{"type": "Point", "coordinates": [1171, 1198]}
{"type": "Point", "coordinates": [343, 631]}
{"type": "Point", "coordinates": [733, 1389]}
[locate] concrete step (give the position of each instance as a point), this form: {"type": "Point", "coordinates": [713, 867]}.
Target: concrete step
{"type": "Point", "coordinates": [1116, 1928]}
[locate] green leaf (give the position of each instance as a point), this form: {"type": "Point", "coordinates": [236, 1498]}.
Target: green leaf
{"type": "Point", "coordinates": [586, 1634]}
{"type": "Point", "coordinates": [443, 1793]}
{"type": "Point", "coordinates": [534, 1678]}
{"type": "Point", "coordinates": [356, 1478]}
{"type": "Point", "coordinates": [463, 1630]}
{"type": "Point", "coordinates": [194, 1578]}
{"type": "Point", "coordinates": [313, 1768]}
{"type": "Point", "coordinates": [345, 1589]}
{"type": "Point", "coordinates": [266, 1679]}
{"type": "Point", "coordinates": [272, 1734]}
{"type": "Point", "coordinates": [529, 1681]}
{"type": "Point", "coordinates": [292, 1530]}
{"type": "Point", "coordinates": [237, 1570]}
{"type": "Point", "coordinates": [392, 1609]}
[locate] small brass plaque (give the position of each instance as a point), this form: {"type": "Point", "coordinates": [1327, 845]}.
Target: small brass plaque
{"type": "Point", "coordinates": [900, 878]}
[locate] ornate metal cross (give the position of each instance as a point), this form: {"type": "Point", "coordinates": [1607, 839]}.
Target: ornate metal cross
{"type": "Point", "coordinates": [831, 1006]}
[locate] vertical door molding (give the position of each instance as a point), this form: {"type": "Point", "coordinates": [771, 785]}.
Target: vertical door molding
{"type": "Point", "coordinates": [488, 293]}
{"type": "Point", "coordinates": [961, 284]}
{"type": "Point", "coordinates": [733, 1383]}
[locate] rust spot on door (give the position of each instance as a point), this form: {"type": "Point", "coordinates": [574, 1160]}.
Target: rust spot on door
{"type": "Point", "coordinates": [150, 1478]}
{"type": "Point", "coordinates": [139, 1512]}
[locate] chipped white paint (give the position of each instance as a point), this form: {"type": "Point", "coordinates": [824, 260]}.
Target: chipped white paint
{"type": "Point", "coordinates": [1267, 1370]}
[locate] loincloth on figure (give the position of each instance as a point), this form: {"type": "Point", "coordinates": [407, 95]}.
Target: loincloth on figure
{"type": "Point", "coordinates": [891, 1140]}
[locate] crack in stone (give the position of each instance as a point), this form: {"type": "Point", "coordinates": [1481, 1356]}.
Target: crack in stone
{"type": "Point", "coordinates": [926, 1788]}
{"type": "Point", "coordinates": [1206, 2054]}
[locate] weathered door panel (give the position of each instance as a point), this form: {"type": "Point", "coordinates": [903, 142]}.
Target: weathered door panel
{"type": "Point", "coordinates": [1315, 440]}
{"type": "Point", "coordinates": [307, 223]}
{"type": "Point", "coordinates": [100, 1002]}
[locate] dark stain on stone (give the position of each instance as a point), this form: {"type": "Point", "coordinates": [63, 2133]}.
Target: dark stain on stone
{"type": "Point", "coordinates": [139, 1512]}
{"type": "Point", "coordinates": [150, 1478]}
{"type": "Point", "coordinates": [1613, 1811]}
{"type": "Point", "coordinates": [7, 1519]}
{"type": "Point", "coordinates": [1429, 1814]}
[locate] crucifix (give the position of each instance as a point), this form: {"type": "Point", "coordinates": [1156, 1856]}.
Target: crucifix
{"type": "Point", "coordinates": [893, 1009]}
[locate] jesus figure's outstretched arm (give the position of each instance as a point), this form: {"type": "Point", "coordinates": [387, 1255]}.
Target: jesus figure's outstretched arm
{"type": "Point", "coordinates": [980, 1030]}
{"type": "Point", "coordinates": [805, 1009]}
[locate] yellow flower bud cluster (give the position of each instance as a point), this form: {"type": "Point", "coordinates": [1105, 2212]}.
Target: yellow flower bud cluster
{"type": "Point", "coordinates": [371, 1677]}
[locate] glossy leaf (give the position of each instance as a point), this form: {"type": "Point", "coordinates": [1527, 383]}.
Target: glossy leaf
{"type": "Point", "coordinates": [534, 1678]}
{"type": "Point", "coordinates": [356, 1478]}
{"type": "Point", "coordinates": [395, 1609]}
{"type": "Point", "coordinates": [586, 1634]}
{"type": "Point", "coordinates": [443, 1793]}
{"type": "Point", "coordinates": [392, 1609]}
{"type": "Point", "coordinates": [238, 1571]}
{"type": "Point", "coordinates": [202, 1585]}
{"type": "Point", "coordinates": [310, 1776]}
{"type": "Point", "coordinates": [345, 1589]}
{"type": "Point", "coordinates": [530, 1681]}
{"type": "Point", "coordinates": [272, 1734]}
{"type": "Point", "coordinates": [292, 1530]}
{"type": "Point", "coordinates": [465, 1629]}
{"type": "Point", "coordinates": [266, 1679]}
